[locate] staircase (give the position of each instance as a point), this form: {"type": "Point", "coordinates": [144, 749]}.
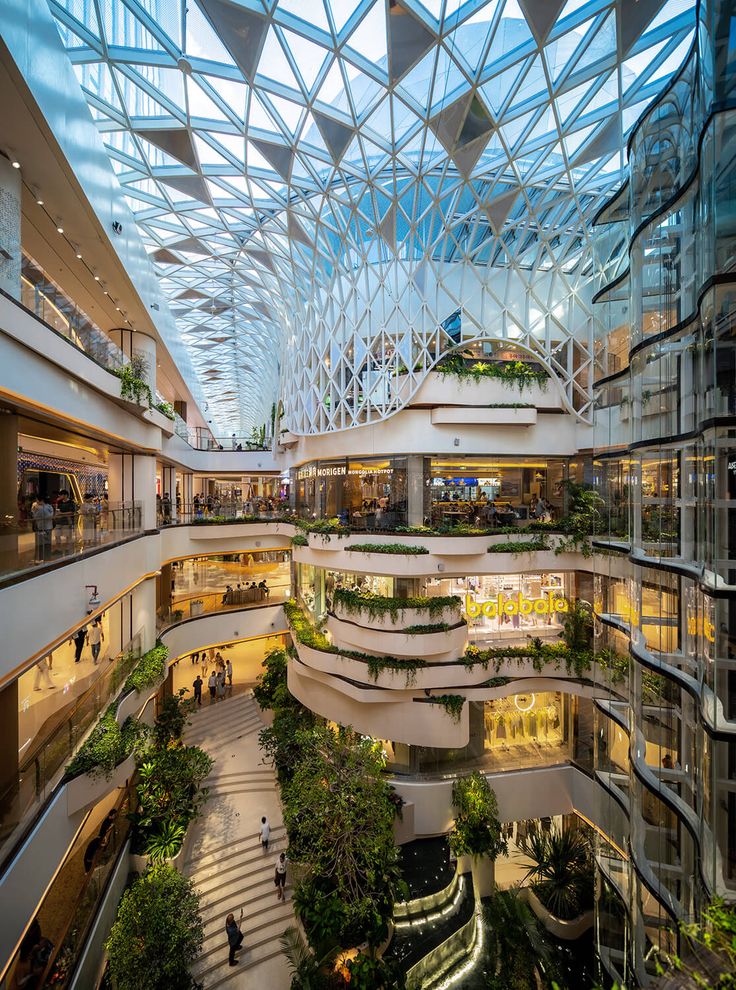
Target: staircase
{"type": "Point", "coordinates": [225, 859]}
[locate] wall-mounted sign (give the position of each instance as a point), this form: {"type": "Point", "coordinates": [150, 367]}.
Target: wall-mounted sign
{"type": "Point", "coordinates": [699, 624]}
{"type": "Point", "coordinates": [516, 604]}
{"type": "Point", "coordinates": [328, 471]}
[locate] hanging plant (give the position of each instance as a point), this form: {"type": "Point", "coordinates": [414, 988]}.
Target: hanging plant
{"type": "Point", "coordinates": [452, 703]}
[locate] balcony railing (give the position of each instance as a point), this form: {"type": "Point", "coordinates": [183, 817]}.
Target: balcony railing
{"type": "Point", "coordinates": [27, 542]}
{"type": "Point", "coordinates": [43, 297]}
{"type": "Point", "coordinates": [40, 769]}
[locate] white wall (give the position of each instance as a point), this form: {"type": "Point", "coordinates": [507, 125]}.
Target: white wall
{"type": "Point", "coordinates": [208, 630]}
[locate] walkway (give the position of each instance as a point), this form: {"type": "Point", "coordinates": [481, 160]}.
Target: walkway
{"type": "Point", "coordinates": [225, 858]}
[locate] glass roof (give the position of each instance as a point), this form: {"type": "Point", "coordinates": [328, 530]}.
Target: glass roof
{"type": "Point", "coordinates": [311, 176]}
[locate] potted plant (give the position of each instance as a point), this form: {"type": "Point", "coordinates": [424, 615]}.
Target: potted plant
{"type": "Point", "coordinates": [562, 874]}
{"type": "Point", "coordinates": [476, 833]}
{"type": "Point", "coordinates": [157, 934]}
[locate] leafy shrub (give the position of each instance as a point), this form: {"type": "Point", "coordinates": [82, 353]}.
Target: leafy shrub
{"type": "Point", "coordinates": [107, 746]}
{"type": "Point", "coordinates": [519, 546]}
{"type": "Point", "coordinates": [512, 374]}
{"type": "Point", "coordinates": [150, 668]}
{"type": "Point", "coordinates": [562, 874]}
{"type": "Point", "coordinates": [380, 605]}
{"type": "Point", "coordinates": [397, 548]}
{"type": "Point", "coordinates": [431, 627]}
{"type": "Point", "coordinates": [300, 540]}
{"type": "Point", "coordinates": [157, 934]}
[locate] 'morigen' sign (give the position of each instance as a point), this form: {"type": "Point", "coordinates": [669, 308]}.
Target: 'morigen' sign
{"type": "Point", "coordinates": [515, 605]}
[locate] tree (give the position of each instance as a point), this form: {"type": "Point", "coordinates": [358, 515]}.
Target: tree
{"type": "Point", "coordinates": [158, 933]}
{"type": "Point", "coordinates": [339, 819]}
{"type": "Point", "coordinates": [477, 829]}
{"type": "Point", "coordinates": [584, 518]}
{"type": "Point", "coordinates": [577, 626]}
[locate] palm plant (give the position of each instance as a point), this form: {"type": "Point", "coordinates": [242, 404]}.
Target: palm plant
{"type": "Point", "coordinates": [562, 875]}
{"type": "Point", "coordinates": [166, 842]}
{"type": "Point", "coordinates": [308, 971]}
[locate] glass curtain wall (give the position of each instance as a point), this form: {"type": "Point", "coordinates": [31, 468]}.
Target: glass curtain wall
{"type": "Point", "coordinates": [665, 467]}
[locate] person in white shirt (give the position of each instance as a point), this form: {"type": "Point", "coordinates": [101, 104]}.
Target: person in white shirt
{"type": "Point", "coordinates": [95, 638]}
{"type": "Point", "coordinates": [265, 833]}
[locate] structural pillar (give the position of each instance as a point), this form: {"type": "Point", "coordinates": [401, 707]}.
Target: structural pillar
{"type": "Point", "coordinates": [415, 490]}
{"type": "Point", "coordinates": [132, 479]}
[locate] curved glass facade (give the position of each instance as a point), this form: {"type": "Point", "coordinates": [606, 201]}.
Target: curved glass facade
{"type": "Point", "coordinates": [665, 465]}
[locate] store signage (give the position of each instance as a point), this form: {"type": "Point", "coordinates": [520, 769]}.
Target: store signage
{"type": "Point", "coordinates": [514, 605]}
{"type": "Point", "coordinates": [333, 471]}
{"type": "Point", "coordinates": [699, 624]}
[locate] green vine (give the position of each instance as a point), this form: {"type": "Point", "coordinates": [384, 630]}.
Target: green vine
{"type": "Point", "coordinates": [452, 703]}
{"type": "Point", "coordinates": [512, 374]}
{"type": "Point", "coordinates": [165, 408]}
{"type": "Point", "coordinates": [420, 629]}
{"type": "Point", "coordinates": [300, 540]}
{"type": "Point", "coordinates": [397, 548]}
{"type": "Point", "coordinates": [380, 605]}
{"type": "Point", "coordinates": [133, 384]}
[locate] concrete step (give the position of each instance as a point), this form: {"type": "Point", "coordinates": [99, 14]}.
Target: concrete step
{"type": "Point", "coordinates": [269, 928]}
{"type": "Point", "coordinates": [237, 892]}
{"type": "Point", "coordinates": [213, 877]}
{"type": "Point", "coordinates": [259, 914]}
{"type": "Point", "coordinates": [220, 976]}
{"type": "Point", "coordinates": [211, 714]}
{"type": "Point", "coordinates": [244, 847]}
{"type": "Point", "coordinates": [215, 729]}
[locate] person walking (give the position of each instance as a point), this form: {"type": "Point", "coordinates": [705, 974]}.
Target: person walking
{"type": "Point", "coordinates": [96, 638]}
{"type": "Point", "coordinates": [280, 877]}
{"type": "Point", "coordinates": [212, 685]}
{"type": "Point", "coordinates": [195, 657]}
{"type": "Point", "coordinates": [166, 508]}
{"type": "Point", "coordinates": [43, 524]}
{"type": "Point", "coordinates": [65, 510]}
{"type": "Point", "coordinates": [197, 685]}
{"type": "Point", "coordinates": [234, 936]}
{"type": "Point", "coordinates": [42, 675]}
{"type": "Point", "coordinates": [88, 520]}
{"type": "Point", "coordinates": [79, 640]}
{"type": "Point", "coordinates": [265, 833]}
{"type": "Point", "coordinates": [220, 684]}
{"type": "Point", "coordinates": [229, 674]}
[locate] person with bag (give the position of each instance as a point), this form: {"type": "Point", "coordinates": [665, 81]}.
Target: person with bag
{"type": "Point", "coordinates": [234, 936]}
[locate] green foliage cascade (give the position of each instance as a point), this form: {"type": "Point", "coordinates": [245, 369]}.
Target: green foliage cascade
{"type": "Point", "coordinates": [477, 828]}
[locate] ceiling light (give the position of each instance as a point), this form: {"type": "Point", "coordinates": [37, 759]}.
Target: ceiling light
{"type": "Point", "coordinates": [40, 202]}
{"type": "Point", "coordinates": [79, 256]}
{"type": "Point", "coordinates": [97, 278]}
{"type": "Point", "coordinates": [15, 164]}
{"type": "Point", "coordinates": [60, 230]}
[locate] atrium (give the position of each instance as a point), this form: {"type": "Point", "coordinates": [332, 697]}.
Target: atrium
{"type": "Point", "coordinates": [367, 458]}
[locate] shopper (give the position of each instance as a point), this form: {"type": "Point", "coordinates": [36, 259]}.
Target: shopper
{"type": "Point", "coordinates": [212, 685]}
{"type": "Point", "coordinates": [229, 673]}
{"type": "Point", "coordinates": [265, 833]}
{"type": "Point", "coordinates": [79, 640]}
{"type": "Point", "coordinates": [280, 877]}
{"type": "Point", "coordinates": [88, 520]}
{"type": "Point", "coordinates": [43, 524]}
{"type": "Point", "coordinates": [234, 936]}
{"type": "Point", "coordinates": [166, 508]}
{"type": "Point", "coordinates": [220, 684]}
{"type": "Point", "coordinates": [197, 685]}
{"type": "Point", "coordinates": [42, 675]}
{"type": "Point", "coordinates": [65, 509]}
{"type": "Point", "coordinates": [95, 638]}
{"type": "Point", "coordinates": [195, 658]}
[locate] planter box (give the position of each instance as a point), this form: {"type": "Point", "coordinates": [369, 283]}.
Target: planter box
{"type": "Point", "coordinates": [85, 791]}
{"type": "Point", "coordinates": [478, 415]}
{"type": "Point", "coordinates": [449, 390]}
{"type": "Point", "coordinates": [570, 930]}
{"type": "Point", "coordinates": [404, 830]}
{"type": "Point", "coordinates": [329, 541]}
{"type": "Point", "coordinates": [383, 641]}
{"type": "Point", "coordinates": [405, 617]}
{"type": "Point", "coordinates": [133, 701]}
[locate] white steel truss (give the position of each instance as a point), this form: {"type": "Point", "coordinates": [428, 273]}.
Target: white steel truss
{"type": "Point", "coordinates": [335, 192]}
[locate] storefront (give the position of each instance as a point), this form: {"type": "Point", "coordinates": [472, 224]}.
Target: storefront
{"type": "Point", "coordinates": [383, 493]}
{"type": "Point", "coordinates": [315, 586]}
{"type": "Point", "coordinates": [510, 606]}
{"type": "Point", "coordinates": [534, 728]}
{"type": "Point", "coordinates": [463, 491]}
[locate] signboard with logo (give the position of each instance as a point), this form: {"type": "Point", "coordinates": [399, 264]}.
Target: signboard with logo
{"type": "Point", "coordinates": [516, 604]}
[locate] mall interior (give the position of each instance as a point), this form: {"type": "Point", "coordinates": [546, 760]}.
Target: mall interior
{"type": "Point", "coordinates": [386, 347]}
